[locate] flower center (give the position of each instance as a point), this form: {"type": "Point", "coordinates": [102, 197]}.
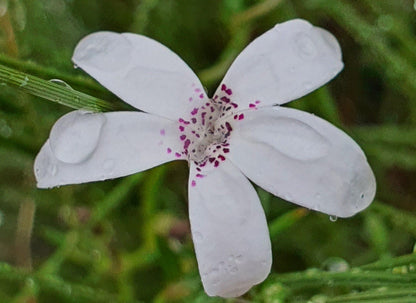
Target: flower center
{"type": "Point", "coordinates": [205, 134]}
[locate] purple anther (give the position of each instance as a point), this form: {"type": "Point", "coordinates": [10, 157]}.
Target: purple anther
{"type": "Point", "coordinates": [186, 144]}
{"type": "Point", "coordinates": [225, 99]}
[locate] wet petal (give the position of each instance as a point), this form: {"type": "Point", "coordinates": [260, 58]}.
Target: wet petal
{"type": "Point", "coordinates": [140, 71]}
{"type": "Point", "coordinates": [229, 230]}
{"type": "Point", "coordinates": [72, 128]}
{"type": "Point", "coordinates": [85, 147]}
{"type": "Point", "coordinates": [303, 159]}
{"type": "Point", "coordinates": [286, 63]}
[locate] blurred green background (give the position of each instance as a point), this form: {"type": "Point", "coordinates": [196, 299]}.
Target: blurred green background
{"type": "Point", "coordinates": [128, 240]}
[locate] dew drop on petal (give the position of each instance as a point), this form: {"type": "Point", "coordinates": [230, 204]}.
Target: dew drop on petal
{"type": "Point", "coordinates": [75, 136]}
{"type": "Point", "coordinates": [104, 51]}
{"type": "Point", "coordinates": [305, 46]}
{"type": "Point", "coordinates": [333, 218]}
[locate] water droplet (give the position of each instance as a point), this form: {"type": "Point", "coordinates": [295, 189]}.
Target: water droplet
{"type": "Point", "coordinates": [75, 66]}
{"type": "Point", "coordinates": [293, 138]}
{"type": "Point", "coordinates": [75, 136]}
{"type": "Point", "coordinates": [305, 45]}
{"type": "Point", "coordinates": [335, 265]}
{"type": "Point", "coordinates": [5, 130]}
{"type": "Point", "coordinates": [333, 218]}
{"type": "Point", "coordinates": [104, 51]}
{"type": "Point", "coordinates": [61, 83]}
{"type": "Point", "coordinates": [24, 82]}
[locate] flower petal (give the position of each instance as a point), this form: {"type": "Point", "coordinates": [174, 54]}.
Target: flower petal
{"type": "Point", "coordinates": [229, 230]}
{"type": "Point", "coordinates": [286, 63]}
{"type": "Point", "coordinates": [141, 71]}
{"type": "Point", "coordinates": [86, 147]}
{"type": "Point", "coordinates": [303, 159]}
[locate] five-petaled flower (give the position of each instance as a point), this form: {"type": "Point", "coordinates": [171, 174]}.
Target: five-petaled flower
{"type": "Point", "coordinates": [241, 133]}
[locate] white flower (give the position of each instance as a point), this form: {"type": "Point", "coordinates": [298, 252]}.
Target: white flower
{"type": "Point", "coordinates": [240, 133]}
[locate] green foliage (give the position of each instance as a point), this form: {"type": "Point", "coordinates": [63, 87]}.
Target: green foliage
{"type": "Point", "coordinates": [128, 240]}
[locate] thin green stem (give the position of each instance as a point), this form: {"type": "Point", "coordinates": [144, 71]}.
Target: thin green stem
{"type": "Point", "coordinates": [53, 284]}
{"type": "Point", "coordinates": [379, 295]}
{"type": "Point", "coordinates": [353, 278]}
{"type": "Point", "coordinates": [47, 72]}
{"type": "Point", "coordinates": [52, 91]}
{"type": "Point", "coordinates": [254, 12]}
